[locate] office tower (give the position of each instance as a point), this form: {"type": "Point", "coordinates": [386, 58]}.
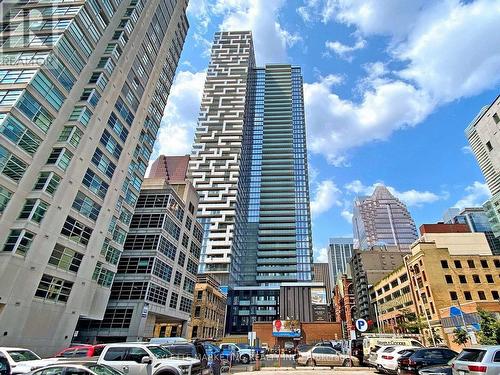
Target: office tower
{"type": "Point", "coordinates": [157, 271]}
{"type": "Point", "coordinates": [477, 221]}
{"type": "Point", "coordinates": [82, 89]}
{"type": "Point", "coordinates": [339, 253]}
{"type": "Point", "coordinates": [382, 219]}
{"type": "Point", "coordinates": [249, 165]}
{"type": "Point", "coordinates": [216, 155]}
{"type": "Point", "coordinates": [485, 143]}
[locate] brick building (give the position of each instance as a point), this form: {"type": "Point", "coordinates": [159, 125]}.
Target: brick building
{"type": "Point", "coordinates": [343, 303]}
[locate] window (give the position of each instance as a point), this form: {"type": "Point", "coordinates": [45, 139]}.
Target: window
{"type": "Point", "coordinates": [103, 276]}
{"type": "Point", "coordinates": [457, 263]}
{"type": "Point", "coordinates": [129, 290]}
{"type": "Point", "coordinates": [178, 278]}
{"type": "Point", "coordinates": [481, 295]}
{"type": "Point", "coordinates": [186, 304]}
{"type": "Point", "coordinates": [59, 71]}
{"type": "Point", "coordinates": [157, 294]}
{"type": "Point", "coordinates": [199, 294]}
{"type": "Point", "coordinates": [496, 262]}
{"type": "Point", "coordinates": [34, 210]}
{"type": "Point", "coordinates": [162, 270]}
{"type": "Point", "coordinates": [48, 182]}
{"type": "Point", "coordinates": [135, 265]}
{"type": "Point", "coordinates": [192, 267]}
{"type": "Point", "coordinates": [5, 195]}
{"type": "Point", "coordinates": [20, 135]}
{"type": "Point", "coordinates": [494, 295]}
{"type": "Point", "coordinates": [103, 163]}
{"type": "Point", "coordinates": [60, 157]}
{"type": "Point", "coordinates": [35, 112]}
{"type": "Point", "coordinates": [86, 206]}
{"type": "Point", "coordinates": [111, 144]}
{"type": "Point", "coordinates": [185, 240]}
{"type": "Point", "coordinates": [197, 311]}
{"type": "Point", "coordinates": [76, 231]}
{"type": "Point", "coordinates": [496, 118]}
{"type": "Point", "coordinates": [188, 285]}
{"type": "Point", "coordinates": [453, 296]}
{"type": "Point", "coordinates": [476, 279]}
{"type": "Point", "coordinates": [81, 114]}
{"type": "Point", "coordinates": [16, 76]}
{"type": "Point", "coordinates": [71, 135]}
{"type": "Point", "coordinates": [182, 259]}
{"type": "Point", "coordinates": [167, 248]}
{"type": "Point", "coordinates": [95, 184]}
{"type": "Point", "coordinates": [173, 300]}
{"type": "Point", "coordinates": [188, 223]}
{"type": "Point", "coordinates": [489, 146]}
{"type": "Point", "coordinates": [463, 279]}
{"type": "Point", "coordinates": [468, 296]}
{"type": "Point", "coordinates": [11, 166]}
{"type": "Point", "coordinates": [44, 86]}
{"type": "Point", "coordinates": [19, 241]}
{"type": "Point", "coordinates": [449, 279]}
{"type": "Point", "coordinates": [116, 354]}
{"type": "Point", "coordinates": [117, 127]}
{"type": "Point", "coordinates": [110, 253]}
{"type": "Point", "coordinates": [9, 97]}
{"type": "Point", "coordinates": [484, 263]}
{"type": "Point", "coordinates": [471, 263]}
{"type": "Point", "coordinates": [489, 279]}
{"type": "Point", "coordinates": [65, 258]}
{"type": "Point", "coordinates": [53, 289]}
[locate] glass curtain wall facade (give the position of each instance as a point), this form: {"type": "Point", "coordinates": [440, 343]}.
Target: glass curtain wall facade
{"type": "Point", "coordinates": [382, 220]}
{"type": "Point", "coordinates": [339, 254]}
{"type": "Point", "coordinates": [83, 85]}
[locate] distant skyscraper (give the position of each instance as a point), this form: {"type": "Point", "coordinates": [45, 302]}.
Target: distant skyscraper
{"type": "Point", "coordinates": [477, 221]}
{"type": "Point", "coordinates": [484, 139]}
{"type": "Point", "coordinates": [249, 165]}
{"type": "Point", "coordinates": [339, 253]}
{"type": "Point", "coordinates": [382, 219]}
{"type": "Point", "coordinates": [83, 86]}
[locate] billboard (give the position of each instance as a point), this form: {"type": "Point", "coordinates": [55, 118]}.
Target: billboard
{"type": "Point", "coordinates": [318, 296]}
{"type": "Point", "coordinates": [286, 328]}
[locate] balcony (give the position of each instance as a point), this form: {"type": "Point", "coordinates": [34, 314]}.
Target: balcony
{"type": "Point", "coordinates": [265, 312]}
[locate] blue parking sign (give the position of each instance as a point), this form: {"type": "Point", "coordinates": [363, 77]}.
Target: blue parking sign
{"type": "Point", "coordinates": [361, 325]}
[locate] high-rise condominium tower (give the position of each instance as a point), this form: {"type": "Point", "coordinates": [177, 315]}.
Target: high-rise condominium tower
{"type": "Point", "coordinates": [382, 219]}
{"type": "Point", "coordinates": [484, 140]}
{"type": "Point", "coordinates": [83, 85]}
{"type": "Point", "coordinates": [339, 252]}
{"type": "Point", "coordinates": [249, 164]}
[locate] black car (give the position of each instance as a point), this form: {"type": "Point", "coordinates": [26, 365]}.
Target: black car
{"type": "Point", "coordinates": [425, 357]}
{"type": "Point", "coordinates": [4, 366]}
{"type": "Point", "coordinates": [436, 370]}
{"type": "Point", "coordinates": [189, 350]}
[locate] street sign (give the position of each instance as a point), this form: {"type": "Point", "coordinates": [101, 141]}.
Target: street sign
{"type": "Point", "coordinates": [361, 325]}
{"type": "Point", "coordinates": [353, 335]}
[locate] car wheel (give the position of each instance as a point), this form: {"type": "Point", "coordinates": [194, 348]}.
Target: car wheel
{"type": "Point", "coordinates": [346, 363]}
{"type": "Point", "coordinates": [245, 359]}
{"type": "Point", "coordinates": [311, 362]}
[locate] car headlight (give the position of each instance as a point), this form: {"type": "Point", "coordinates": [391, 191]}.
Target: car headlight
{"type": "Point", "coordinates": [184, 369]}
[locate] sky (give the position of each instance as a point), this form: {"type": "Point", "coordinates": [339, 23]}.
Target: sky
{"type": "Point", "coordinates": [389, 88]}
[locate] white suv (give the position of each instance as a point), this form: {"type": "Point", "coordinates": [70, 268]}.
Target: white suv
{"type": "Point", "coordinates": [146, 359]}
{"type": "Point", "coordinates": [22, 361]}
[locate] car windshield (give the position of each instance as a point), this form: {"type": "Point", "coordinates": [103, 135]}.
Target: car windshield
{"type": "Point", "coordinates": [183, 350]}
{"type": "Point", "coordinates": [160, 352]}
{"type": "Point", "coordinates": [22, 355]}
{"type": "Point", "coordinates": [103, 370]}
{"type": "Point", "coordinates": [471, 355]}
{"type": "Point", "coordinates": [244, 346]}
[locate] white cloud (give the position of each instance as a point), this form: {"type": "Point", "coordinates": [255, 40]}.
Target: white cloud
{"type": "Point", "coordinates": [467, 150]}
{"type": "Point", "coordinates": [347, 215]}
{"type": "Point", "coordinates": [410, 197]}
{"type": "Point", "coordinates": [270, 39]}
{"type": "Point", "coordinates": [176, 133]}
{"type": "Point", "coordinates": [443, 51]}
{"type": "Point", "coordinates": [343, 50]}
{"type": "Point", "coordinates": [326, 195]}
{"type": "Point", "coordinates": [320, 255]}
{"type": "Point", "coordinates": [477, 194]}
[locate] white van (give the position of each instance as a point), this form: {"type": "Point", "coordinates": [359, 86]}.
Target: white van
{"type": "Point", "coordinates": [371, 343]}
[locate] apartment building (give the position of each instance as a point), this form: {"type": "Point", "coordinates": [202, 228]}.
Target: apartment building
{"type": "Point", "coordinates": [83, 85]}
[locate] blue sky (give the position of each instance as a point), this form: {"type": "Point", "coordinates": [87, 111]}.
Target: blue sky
{"type": "Point", "coordinates": [389, 88]}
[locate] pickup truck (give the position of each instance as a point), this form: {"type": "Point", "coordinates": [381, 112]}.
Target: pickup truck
{"type": "Point", "coordinates": [244, 352]}
{"type": "Point", "coordinates": [147, 359]}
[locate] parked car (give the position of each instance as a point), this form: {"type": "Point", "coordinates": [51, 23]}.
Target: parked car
{"type": "Point", "coordinates": [426, 357]}
{"type": "Point", "coordinates": [437, 370]}
{"type": "Point", "coordinates": [229, 353]}
{"type": "Point", "coordinates": [387, 360]}
{"type": "Point", "coordinates": [265, 347]}
{"type": "Point", "coordinates": [289, 347]}
{"type": "Point", "coordinates": [168, 340]}
{"type": "Point", "coordinates": [189, 350]}
{"type": "Point", "coordinates": [325, 356]}
{"type": "Point", "coordinates": [373, 355]}
{"type": "Point", "coordinates": [4, 365]}
{"type": "Point", "coordinates": [80, 368]}
{"type": "Point", "coordinates": [404, 359]}
{"type": "Point", "coordinates": [330, 344]}
{"type": "Point", "coordinates": [140, 359]}
{"type": "Point", "coordinates": [22, 361]}
{"type": "Point", "coordinates": [81, 351]}
{"type": "Point", "coordinates": [369, 342]}
{"type": "Point", "coordinates": [479, 360]}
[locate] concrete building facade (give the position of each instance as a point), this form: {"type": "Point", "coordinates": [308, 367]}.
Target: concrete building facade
{"type": "Point", "coordinates": [208, 315]}
{"type": "Point", "coordinates": [321, 274]}
{"type": "Point", "coordinates": [83, 87]}
{"type": "Point", "coordinates": [157, 271]}
{"type": "Point", "coordinates": [339, 252]}
{"type": "Point", "coordinates": [382, 220]}
{"type": "Point", "coordinates": [485, 144]}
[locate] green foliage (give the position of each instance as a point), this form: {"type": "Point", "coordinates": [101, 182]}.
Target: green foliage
{"type": "Point", "coordinates": [437, 337]}
{"type": "Point", "coordinates": [460, 336]}
{"type": "Point", "coordinates": [490, 328]}
{"type": "Point", "coordinates": [412, 323]}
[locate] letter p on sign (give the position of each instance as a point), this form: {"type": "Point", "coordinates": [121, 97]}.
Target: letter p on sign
{"type": "Point", "coordinates": [361, 325]}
